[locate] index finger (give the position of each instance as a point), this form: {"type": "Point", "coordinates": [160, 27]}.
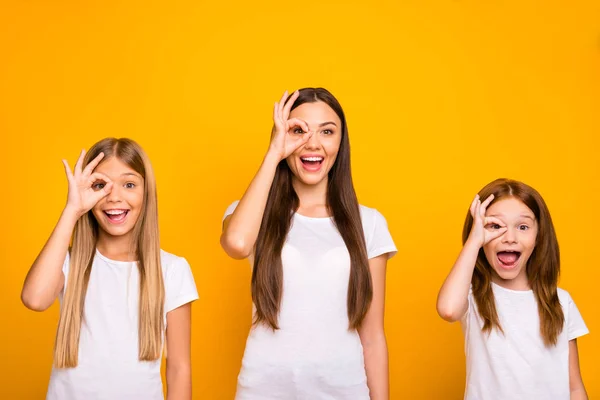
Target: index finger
{"type": "Point", "coordinates": [289, 103]}
{"type": "Point", "coordinates": [485, 204]}
{"type": "Point", "coordinates": [494, 220]}
{"type": "Point", "coordinates": [93, 164]}
{"type": "Point", "coordinates": [298, 122]}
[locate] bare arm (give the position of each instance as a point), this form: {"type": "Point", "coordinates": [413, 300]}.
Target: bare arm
{"type": "Point", "coordinates": [372, 335]}
{"type": "Point", "coordinates": [45, 279]}
{"type": "Point", "coordinates": [452, 302]}
{"type": "Point", "coordinates": [240, 230]}
{"type": "Point", "coordinates": [179, 370]}
{"type": "Point", "coordinates": [575, 382]}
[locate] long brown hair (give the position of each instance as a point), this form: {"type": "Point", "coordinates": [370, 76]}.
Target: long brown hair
{"type": "Point", "coordinates": [147, 248]}
{"type": "Point", "coordinates": [267, 274]}
{"type": "Point", "coordinates": [543, 266]}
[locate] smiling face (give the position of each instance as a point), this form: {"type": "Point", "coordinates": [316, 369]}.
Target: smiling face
{"type": "Point", "coordinates": [508, 254]}
{"type": "Point", "coordinates": [118, 212]}
{"type": "Point", "coordinates": [312, 162]}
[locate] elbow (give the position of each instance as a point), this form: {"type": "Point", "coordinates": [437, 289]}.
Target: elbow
{"type": "Point", "coordinates": [235, 247]}
{"type": "Point", "coordinates": [183, 370]}
{"type": "Point", "coordinates": [32, 302]}
{"type": "Point", "coordinates": [448, 313]}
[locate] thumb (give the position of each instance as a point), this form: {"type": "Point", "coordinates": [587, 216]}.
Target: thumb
{"type": "Point", "coordinates": [307, 137]}
{"type": "Point", "coordinates": [496, 234]}
{"type": "Point", "coordinates": [105, 191]}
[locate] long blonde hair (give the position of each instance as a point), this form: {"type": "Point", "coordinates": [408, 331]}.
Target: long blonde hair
{"type": "Point", "coordinates": [147, 248]}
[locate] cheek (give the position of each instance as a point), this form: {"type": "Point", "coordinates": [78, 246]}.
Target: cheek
{"type": "Point", "coordinates": [138, 201]}
{"type": "Point", "coordinates": [530, 240]}
{"type": "Point", "coordinates": [291, 163]}
{"type": "Point", "coordinates": [97, 209]}
{"type": "Point", "coordinates": [488, 251]}
{"type": "Point", "coordinates": [332, 145]}
{"type": "Point", "coordinates": [135, 199]}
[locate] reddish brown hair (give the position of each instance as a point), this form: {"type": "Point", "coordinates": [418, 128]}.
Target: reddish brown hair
{"type": "Point", "coordinates": [543, 266]}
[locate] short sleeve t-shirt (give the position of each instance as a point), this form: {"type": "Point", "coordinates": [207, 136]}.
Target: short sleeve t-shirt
{"type": "Point", "coordinates": [517, 365]}
{"type": "Point", "coordinates": [313, 355]}
{"type": "Point", "coordinates": [108, 365]}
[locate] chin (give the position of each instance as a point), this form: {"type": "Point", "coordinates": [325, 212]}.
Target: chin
{"type": "Point", "coordinates": [507, 275]}
{"type": "Point", "coordinates": [117, 232]}
{"type": "Point", "coordinates": [312, 180]}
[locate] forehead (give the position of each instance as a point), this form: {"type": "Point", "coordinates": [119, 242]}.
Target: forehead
{"type": "Point", "coordinates": [509, 207]}
{"type": "Point", "coordinates": [316, 113]}
{"type": "Point", "coordinates": [114, 168]}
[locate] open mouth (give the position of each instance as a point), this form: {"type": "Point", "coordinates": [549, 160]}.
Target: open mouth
{"type": "Point", "coordinates": [508, 259]}
{"type": "Point", "coordinates": [312, 163]}
{"type": "Point", "coordinates": [116, 216]}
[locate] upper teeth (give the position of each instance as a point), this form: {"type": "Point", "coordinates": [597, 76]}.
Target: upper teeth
{"type": "Point", "coordinates": [115, 212]}
{"type": "Point", "coordinates": [312, 158]}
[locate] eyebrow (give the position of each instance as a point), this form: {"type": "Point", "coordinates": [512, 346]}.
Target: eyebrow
{"type": "Point", "coordinates": [327, 123]}
{"type": "Point", "coordinates": [131, 174]}
{"type": "Point", "coordinates": [521, 216]}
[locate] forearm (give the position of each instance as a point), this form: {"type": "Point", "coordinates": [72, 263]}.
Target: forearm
{"type": "Point", "coordinates": [240, 234]}
{"type": "Point", "coordinates": [452, 300]}
{"type": "Point", "coordinates": [579, 394]}
{"type": "Point", "coordinates": [376, 364]}
{"type": "Point", "coordinates": [44, 279]}
{"type": "Point", "coordinates": [179, 382]}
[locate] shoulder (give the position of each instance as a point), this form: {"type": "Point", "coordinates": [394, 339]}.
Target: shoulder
{"type": "Point", "coordinates": [370, 216]}
{"type": "Point", "coordinates": [170, 262]}
{"type": "Point", "coordinates": [563, 296]}
{"type": "Point", "coordinates": [372, 219]}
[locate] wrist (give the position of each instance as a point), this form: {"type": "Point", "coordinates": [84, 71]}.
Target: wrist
{"type": "Point", "coordinates": [272, 158]}
{"type": "Point", "coordinates": [473, 245]}
{"type": "Point", "coordinates": [72, 213]}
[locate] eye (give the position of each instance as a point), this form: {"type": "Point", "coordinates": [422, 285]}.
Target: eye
{"type": "Point", "coordinates": [494, 226]}
{"type": "Point", "coordinates": [523, 227]}
{"type": "Point", "coordinates": [98, 185]}
{"type": "Point", "coordinates": [328, 132]}
{"type": "Point", "coordinates": [297, 130]}
{"type": "Point", "coordinates": [130, 185]}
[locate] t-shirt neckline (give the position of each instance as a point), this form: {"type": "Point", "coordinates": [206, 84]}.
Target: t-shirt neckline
{"type": "Point", "coordinates": [111, 261]}
{"type": "Point", "coordinates": [512, 290]}
{"type": "Point", "coordinates": [296, 214]}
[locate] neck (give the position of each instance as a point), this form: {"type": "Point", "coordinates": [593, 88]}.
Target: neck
{"type": "Point", "coordinates": [117, 248]}
{"type": "Point", "coordinates": [519, 283]}
{"type": "Point", "coordinates": [312, 198]}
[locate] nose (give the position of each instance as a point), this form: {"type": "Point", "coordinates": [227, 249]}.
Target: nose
{"type": "Point", "coordinates": [509, 236]}
{"type": "Point", "coordinates": [314, 142]}
{"type": "Point", "coordinates": [115, 195]}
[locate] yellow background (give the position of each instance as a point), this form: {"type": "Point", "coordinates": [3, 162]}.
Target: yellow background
{"type": "Point", "coordinates": [441, 98]}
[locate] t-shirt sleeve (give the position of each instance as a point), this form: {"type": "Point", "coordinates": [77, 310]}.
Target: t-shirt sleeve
{"type": "Point", "coordinates": [230, 209]}
{"type": "Point", "coordinates": [464, 321]}
{"type": "Point", "coordinates": [575, 325]}
{"type": "Point", "coordinates": [180, 287]}
{"type": "Point", "coordinates": [65, 271]}
{"type": "Point", "coordinates": [379, 240]}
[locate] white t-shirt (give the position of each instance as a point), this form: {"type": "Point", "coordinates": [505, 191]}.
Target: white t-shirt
{"type": "Point", "coordinates": [313, 356]}
{"type": "Point", "coordinates": [108, 365]}
{"type": "Point", "coordinates": [517, 365]}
